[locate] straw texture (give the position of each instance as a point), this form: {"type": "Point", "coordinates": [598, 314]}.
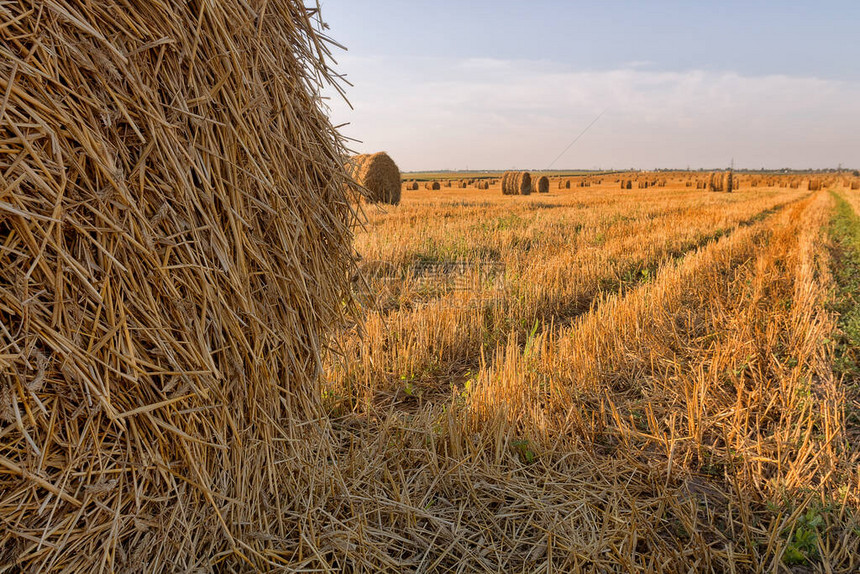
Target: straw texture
{"type": "Point", "coordinates": [174, 237]}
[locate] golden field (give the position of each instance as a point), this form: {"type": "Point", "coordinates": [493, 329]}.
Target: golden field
{"type": "Point", "coordinates": [597, 379]}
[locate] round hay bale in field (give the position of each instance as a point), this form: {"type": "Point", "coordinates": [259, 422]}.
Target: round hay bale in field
{"type": "Point", "coordinates": [516, 183]}
{"type": "Point", "coordinates": [542, 185]}
{"type": "Point", "coordinates": [728, 183]}
{"type": "Point", "coordinates": [567, 184]}
{"type": "Point", "coordinates": [379, 176]}
{"type": "Point", "coordinates": [715, 181]}
{"type": "Point", "coordinates": [814, 184]}
{"type": "Point", "coordinates": [176, 249]}
{"type": "Point", "coordinates": [855, 185]}
{"type": "Point", "coordinates": [413, 186]}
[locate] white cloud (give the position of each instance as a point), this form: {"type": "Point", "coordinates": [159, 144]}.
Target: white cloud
{"type": "Point", "coordinates": [485, 113]}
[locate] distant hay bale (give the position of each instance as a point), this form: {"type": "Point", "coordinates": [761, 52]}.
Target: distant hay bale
{"type": "Point", "coordinates": [463, 184]}
{"type": "Point", "coordinates": [516, 183]}
{"type": "Point", "coordinates": [855, 185]}
{"type": "Point", "coordinates": [413, 186]}
{"type": "Point", "coordinates": [728, 183]}
{"type": "Point", "coordinates": [814, 184]}
{"type": "Point", "coordinates": [542, 185]}
{"type": "Point", "coordinates": [715, 181]}
{"type": "Point", "coordinates": [176, 250]}
{"type": "Point", "coordinates": [567, 184]}
{"type": "Point", "coordinates": [432, 185]}
{"type": "Point", "coordinates": [722, 181]}
{"type": "Point", "coordinates": [379, 175]}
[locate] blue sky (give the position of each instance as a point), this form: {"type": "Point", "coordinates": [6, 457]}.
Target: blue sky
{"type": "Point", "coordinates": [503, 84]}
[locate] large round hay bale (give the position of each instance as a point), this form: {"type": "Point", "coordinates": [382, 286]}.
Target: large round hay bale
{"type": "Point", "coordinates": [542, 185]}
{"type": "Point", "coordinates": [378, 175]}
{"type": "Point", "coordinates": [516, 183]}
{"type": "Point", "coordinates": [175, 231]}
{"type": "Point", "coordinates": [814, 184]}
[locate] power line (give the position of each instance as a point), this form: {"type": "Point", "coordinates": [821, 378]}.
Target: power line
{"type": "Point", "coordinates": [588, 127]}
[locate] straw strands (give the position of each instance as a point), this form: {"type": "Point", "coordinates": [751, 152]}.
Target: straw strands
{"type": "Point", "coordinates": [174, 241]}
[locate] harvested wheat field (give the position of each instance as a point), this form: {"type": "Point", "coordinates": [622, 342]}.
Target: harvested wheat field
{"type": "Point", "coordinates": [229, 343]}
{"type": "Point", "coordinates": [629, 380]}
